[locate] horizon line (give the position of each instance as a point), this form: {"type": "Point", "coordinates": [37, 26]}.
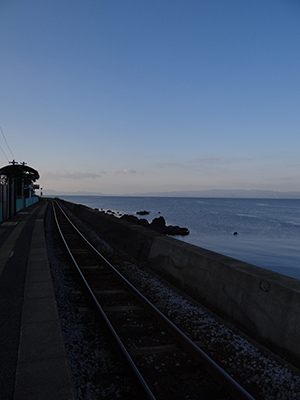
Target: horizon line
{"type": "Point", "coordinates": [218, 193]}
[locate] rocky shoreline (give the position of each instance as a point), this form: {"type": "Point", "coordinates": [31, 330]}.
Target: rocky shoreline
{"type": "Point", "coordinates": [158, 225]}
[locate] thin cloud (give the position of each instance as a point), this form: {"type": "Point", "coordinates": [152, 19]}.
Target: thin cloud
{"type": "Point", "coordinates": [71, 175]}
{"type": "Point", "coordinates": [123, 171]}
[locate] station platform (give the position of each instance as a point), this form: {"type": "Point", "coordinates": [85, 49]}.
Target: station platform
{"type": "Point", "coordinates": [34, 363]}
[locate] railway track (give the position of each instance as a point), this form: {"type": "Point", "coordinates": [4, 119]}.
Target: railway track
{"type": "Point", "coordinates": [141, 333]}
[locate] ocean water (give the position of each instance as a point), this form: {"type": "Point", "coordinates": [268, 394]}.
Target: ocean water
{"type": "Point", "coordinates": [268, 229]}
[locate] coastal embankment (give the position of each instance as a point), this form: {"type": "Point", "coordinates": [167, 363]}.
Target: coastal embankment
{"type": "Point", "coordinates": [263, 304]}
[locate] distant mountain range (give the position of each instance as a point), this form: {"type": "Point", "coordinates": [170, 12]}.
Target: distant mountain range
{"type": "Point", "coordinates": [235, 193]}
{"type": "Point", "coordinates": [222, 193]}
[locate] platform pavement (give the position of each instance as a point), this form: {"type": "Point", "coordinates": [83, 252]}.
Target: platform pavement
{"type": "Point", "coordinates": [42, 370]}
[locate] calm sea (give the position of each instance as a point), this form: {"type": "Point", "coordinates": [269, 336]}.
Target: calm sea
{"type": "Point", "coordinates": [268, 229]}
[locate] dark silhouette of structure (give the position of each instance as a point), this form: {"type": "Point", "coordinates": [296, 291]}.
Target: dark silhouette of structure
{"type": "Point", "coordinates": [16, 188]}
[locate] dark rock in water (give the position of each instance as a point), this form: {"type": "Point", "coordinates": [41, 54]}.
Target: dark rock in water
{"type": "Point", "coordinates": [158, 225]}
{"type": "Point", "coordinates": [143, 212]}
{"type": "Point", "coordinates": [235, 233]}
{"type": "Point", "coordinates": [177, 230]}
{"type": "Point", "coordinates": [144, 222]}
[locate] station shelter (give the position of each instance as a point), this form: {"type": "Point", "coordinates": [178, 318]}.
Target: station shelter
{"type": "Point", "coordinates": [17, 188]}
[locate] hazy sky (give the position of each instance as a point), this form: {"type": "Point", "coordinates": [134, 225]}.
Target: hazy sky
{"type": "Point", "coordinates": [126, 96]}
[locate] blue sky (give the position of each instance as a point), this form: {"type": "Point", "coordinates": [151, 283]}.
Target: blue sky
{"type": "Point", "coordinates": [120, 97]}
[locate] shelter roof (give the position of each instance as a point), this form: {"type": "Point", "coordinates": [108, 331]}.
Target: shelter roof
{"type": "Point", "coordinates": [20, 171]}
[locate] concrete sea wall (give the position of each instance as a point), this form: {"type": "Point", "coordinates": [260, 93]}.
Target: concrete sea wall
{"type": "Point", "coordinates": [263, 304]}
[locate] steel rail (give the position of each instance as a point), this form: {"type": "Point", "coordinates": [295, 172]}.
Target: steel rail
{"type": "Point", "coordinates": [143, 388]}
{"type": "Point", "coordinates": [218, 373]}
